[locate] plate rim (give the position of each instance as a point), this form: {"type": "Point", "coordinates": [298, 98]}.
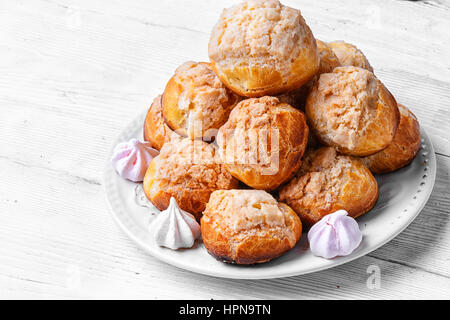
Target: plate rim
{"type": "Point", "coordinates": [108, 177]}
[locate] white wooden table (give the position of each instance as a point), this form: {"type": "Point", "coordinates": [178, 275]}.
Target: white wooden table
{"type": "Point", "coordinates": [74, 73]}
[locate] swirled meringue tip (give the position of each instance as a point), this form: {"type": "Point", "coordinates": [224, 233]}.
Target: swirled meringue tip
{"type": "Point", "coordinates": [334, 235]}
{"type": "Point", "coordinates": [175, 228]}
{"type": "Point", "coordinates": [131, 159]}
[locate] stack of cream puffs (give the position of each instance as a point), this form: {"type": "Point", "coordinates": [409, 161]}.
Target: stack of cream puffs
{"type": "Point", "coordinates": [275, 132]}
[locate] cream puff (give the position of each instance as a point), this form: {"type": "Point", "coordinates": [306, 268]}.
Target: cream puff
{"type": "Point", "coordinates": [328, 58]}
{"type": "Point", "coordinates": [350, 55]}
{"type": "Point", "coordinates": [262, 47]}
{"type": "Point", "coordinates": [248, 226]}
{"type": "Point", "coordinates": [188, 170]}
{"type": "Point", "coordinates": [156, 130]}
{"type": "Point", "coordinates": [263, 141]}
{"type": "Point", "coordinates": [328, 181]}
{"type": "Point", "coordinates": [328, 61]}
{"type": "Point", "coordinates": [351, 110]}
{"type": "Point", "coordinates": [402, 150]}
{"type": "Point", "coordinates": [195, 102]}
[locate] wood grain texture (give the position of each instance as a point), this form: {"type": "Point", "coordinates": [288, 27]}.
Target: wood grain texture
{"type": "Point", "coordinates": [72, 76]}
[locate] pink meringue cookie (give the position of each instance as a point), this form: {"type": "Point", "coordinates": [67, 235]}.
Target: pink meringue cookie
{"type": "Point", "coordinates": [131, 159]}
{"type": "Point", "coordinates": [334, 235]}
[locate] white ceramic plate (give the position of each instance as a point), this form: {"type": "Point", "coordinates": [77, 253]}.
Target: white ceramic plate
{"type": "Point", "coordinates": [403, 194]}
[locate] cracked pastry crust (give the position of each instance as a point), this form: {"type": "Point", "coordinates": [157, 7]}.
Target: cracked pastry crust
{"type": "Point", "coordinates": [188, 170]}
{"type": "Point", "coordinates": [351, 110]}
{"type": "Point", "coordinates": [263, 141]}
{"type": "Point", "coordinates": [402, 150]}
{"type": "Point", "coordinates": [195, 102]}
{"type": "Point", "coordinates": [248, 226]}
{"type": "Point", "coordinates": [327, 182]}
{"type": "Point", "coordinates": [350, 55]}
{"type": "Point", "coordinates": [328, 61]}
{"type": "Point", "coordinates": [156, 130]}
{"type": "Point", "coordinates": [261, 47]}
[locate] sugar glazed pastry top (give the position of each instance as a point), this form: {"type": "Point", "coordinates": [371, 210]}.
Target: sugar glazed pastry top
{"type": "Point", "coordinates": [156, 130]}
{"type": "Point", "coordinates": [327, 182]}
{"type": "Point", "coordinates": [248, 226]}
{"type": "Point", "coordinates": [350, 109]}
{"type": "Point", "coordinates": [263, 141]}
{"type": "Point", "coordinates": [350, 55]}
{"type": "Point", "coordinates": [328, 61]}
{"type": "Point", "coordinates": [188, 170]}
{"type": "Point", "coordinates": [195, 102]}
{"type": "Point", "coordinates": [261, 47]}
{"type": "Point", "coordinates": [328, 58]}
{"type": "Point", "coordinates": [403, 148]}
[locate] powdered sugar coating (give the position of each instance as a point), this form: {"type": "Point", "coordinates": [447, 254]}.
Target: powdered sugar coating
{"type": "Point", "coordinates": [263, 141]}
{"type": "Point", "coordinates": [188, 170]}
{"type": "Point", "coordinates": [196, 101]}
{"type": "Point", "coordinates": [248, 226]}
{"type": "Point", "coordinates": [351, 110]}
{"type": "Point", "coordinates": [268, 39]}
{"type": "Point", "coordinates": [350, 55]}
{"type": "Point", "coordinates": [328, 181]}
{"type": "Point", "coordinates": [243, 210]}
{"type": "Point", "coordinates": [328, 59]}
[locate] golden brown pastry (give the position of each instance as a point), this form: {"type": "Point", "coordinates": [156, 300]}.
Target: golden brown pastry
{"type": "Point", "coordinates": [327, 182]}
{"type": "Point", "coordinates": [328, 61]}
{"type": "Point", "coordinates": [195, 102]}
{"type": "Point", "coordinates": [350, 55]}
{"type": "Point", "coordinates": [403, 148]}
{"type": "Point", "coordinates": [262, 47]}
{"type": "Point", "coordinates": [248, 226]}
{"type": "Point", "coordinates": [187, 170]}
{"type": "Point", "coordinates": [156, 130]}
{"type": "Point", "coordinates": [350, 109]}
{"type": "Point", "coordinates": [263, 141]}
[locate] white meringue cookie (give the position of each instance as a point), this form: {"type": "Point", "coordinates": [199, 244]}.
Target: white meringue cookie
{"type": "Point", "coordinates": [334, 235]}
{"type": "Point", "coordinates": [131, 159]}
{"type": "Point", "coordinates": [175, 228]}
